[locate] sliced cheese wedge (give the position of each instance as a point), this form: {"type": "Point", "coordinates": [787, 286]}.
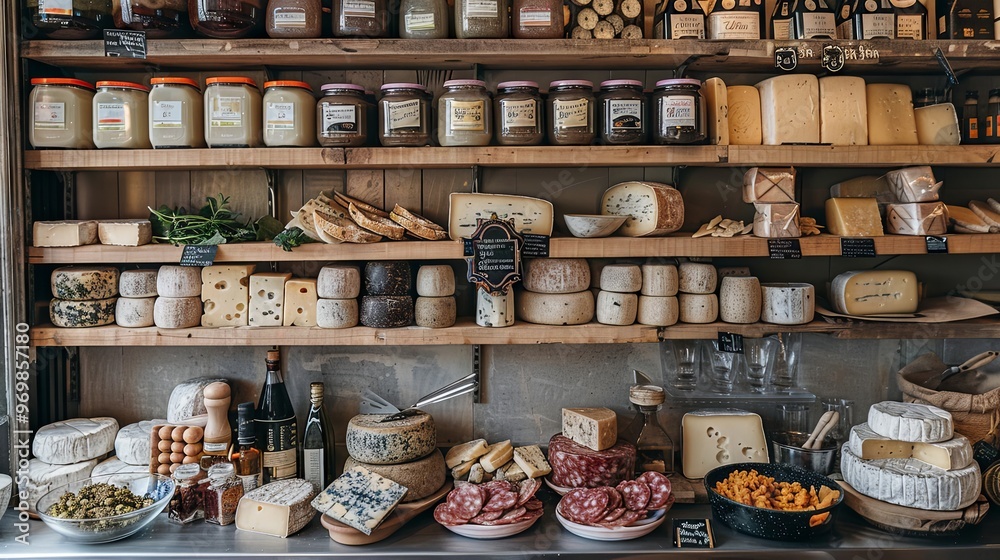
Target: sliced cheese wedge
{"type": "Point", "coordinates": [532, 461]}
{"type": "Point", "coordinates": [952, 454]}
{"type": "Point", "coordinates": [465, 452]}
{"type": "Point", "coordinates": [497, 456]}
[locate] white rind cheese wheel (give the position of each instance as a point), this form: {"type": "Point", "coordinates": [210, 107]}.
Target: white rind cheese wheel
{"type": "Point", "coordinates": [132, 443]}
{"type": "Point", "coordinates": [75, 440]}
{"type": "Point", "coordinates": [494, 310]}
{"type": "Point", "coordinates": [390, 443]}
{"type": "Point", "coordinates": [178, 282]}
{"type": "Point", "coordinates": [910, 422]}
{"type": "Point", "coordinates": [84, 283]}
{"type": "Point", "coordinates": [956, 453]}
{"type": "Point", "coordinates": [338, 282]}
{"type": "Point", "coordinates": [138, 283]}
{"type": "Point", "coordinates": [556, 309]}
{"type": "Point", "coordinates": [435, 280]}
{"type": "Point", "coordinates": [435, 312]}
{"type": "Point", "coordinates": [621, 278]}
{"type": "Point", "coordinates": [119, 472]}
{"type": "Point", "coordinates": [187, 400]}
{"type": "Point", "coordinates": [698, 308]}
{"type": "Point", "coordinates": [615, 308]}
{"type": "Point", "coordinates": [336, 313]}
{"type": "Point", "coordinates": [697, 278]}
{"type": "Point", "coordinates": [740, 299]}
{"type": "Point", "coordinates": [421, 478]}
{"type": "Point", "coordinates": [788, 303]}
{"type": "Point", "coordinates": [43, 477]}
{"type": "Point", "coordinates": [659, 280]}
{"type": "Point", "coordinates": [74, 314]}
{"type": "Point", "coordinates": [177, 313]}
{"type": "Point", "coordinates": [658, 311]}
{"type": "Point", "coordinates": [556, 276]}
{"type": "Point", "coordinates": [135, 312]}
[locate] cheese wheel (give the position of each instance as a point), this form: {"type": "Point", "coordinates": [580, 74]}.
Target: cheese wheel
{"type": "Point", "coordinates": [132, 443]}
{"type": "Point", "coordinates": [179, 281]}
{"type": "Point", "coordinates": [75, 440]}
{"type": "Point", "coordinates": [494, 310]}
{"type": "Point", "coordinates": [435, 312]}
{"type": "Point", "coordinates": [386, 311]}
{"type": "Point", "coordinates": [135, 312]}
{"type": "Point", "coordinates": [787, 303]}
{"type": "Point", "coordinates": [614, 308]}
{"type": "Point", "coordinates": [94, 313]}
{"type": "Point", "coordinates": [727, 271]}
{"type": "Point", "coordinates": [177, 313]}
{"type": "Point", "coordinates": [387, 278]}
{"type": "Point", "coordinates": [64, 233]}
{"type": "Point", "coordinates": [137, 283]}
{"type": "Point", "coordinates": [621, 278]}
{"type": "Point", "coordinates": [336, 313]}
{"type": "Point", "coordinates": [556, 276]}
{"type": "Point", "coordinates": [740, 299]}
{"type": "Point", "coordinates": [652, 208]}
{"type": "Point", "coordinates": [436, 280]}
{"type": "Point", "coordinates": [421, 478]}
{"type": "Point", "coordinates": [698, 308]}
{"type": "Point", "coordinates": [80, 283]}
{"type": "Point", "coordinates": [659, 280]}
{"type": "Point", "coordinates": [697, 278]}
{"type": "Point", "coordinates": [390, 443]}
{"type": "Point", "coordinates": [338, 282]}
{"type": "Point", "coordinates": [556, 309]}
{"type": "Point", "coordinates": [658, 311]}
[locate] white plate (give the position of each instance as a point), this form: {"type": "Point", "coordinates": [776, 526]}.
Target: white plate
{"type": "Point", "coordinates": [561, 490]}
{"type": "Point", "coordinates": [492, 531]}
{"type": "Point", "coordinates": [634, 531]}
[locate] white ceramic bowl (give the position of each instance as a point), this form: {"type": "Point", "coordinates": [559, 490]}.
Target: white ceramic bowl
{"type": "Point", "coordinates": [492, 531]}
{"type": "Point", "coordinates": [6, 483]}
{"type": "Point", "coordinates": [634, 531]}
{"type": "Point", "coordinates": [593, 225]}
{"type": "Point", "coordinates": [561, 490]}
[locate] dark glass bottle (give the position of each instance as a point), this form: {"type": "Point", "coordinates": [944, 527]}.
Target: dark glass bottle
{"type": "Point", "coordinates": [970, 118]}
{"type": "Point", "coordinates": [317, 441]}
{"type": "Point", "coordinates": [246, 457]}
{"type": "Point", "coordinates": [992, 114]}
{"type": "Point", "coordinates": [866, 19]}
{"type": "Point", "coordinates": [276, 428]}
{"type": "Point", "coordinates": [679, 19]}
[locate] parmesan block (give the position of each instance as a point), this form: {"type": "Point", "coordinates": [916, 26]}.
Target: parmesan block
{"type": "Point", "coordinates": [139, 283]}
{"type": "Point", "coordinates": [383, 312]}
{"type": "Point", "coordinates": [776, 220]}
{"type": "Point", "coordinates": [387, 278]}
{"type": "Point", "coordinates": [917, 218]}
{"type": "Point", "coordinates": [717, 104]}
{"type": "Point", "coordinates": [697, 278]}
{"type": "Point", "coordinates": [80, 283]}
{"type": "Point", "coordinates": [435, 312]}
{"type": "Point", "coordinates": [92, 313]}
{"type": "Point", "coordinates": [891, 120]}
{"type": "Point", "coordinates": [178, 281]}
{"type": "Point", "coordinates": [556, 276]}
{"type": "Point", "coordinates": [744, 115]}
{"type": "Point", "coordinates": [225, 290]}
{"type": "Point", "coordinates": [65, 233]}
{"type": "Point", "coordinates": [658, 311]}
{"type": "Point", "coordinates": [843, 113]}
{"type": "Point", "coordinates": [435, 280]}
{"type": "Point", "coordinates": [769, 184]}
{"type": "Point", "coordinates": [621, 278]}
{"type": "Point", "coordinates": [267, 298]}
{"type": "Point", "coordinates": [421, 478]}
{"type": "Point", "coordinates": [787, 303]}
{"type": "Point", "coordinates": [532, 461]}
{"type": "Point", "coordinates": [789, 109]}
{"type": "Point", "coordinates": [652, 208]}
{"type": "Point", "coordinates": [135, 312]}
{"type": "Point", "coordinates": [390, 443]}
{"type": "Point", "coordinates": [698, 308]}
{"type": "Point", "coordinates": [716, 437]}
{"type": "Point", "coordinates": [615, 308]}
{"type": "Point", "coordinates": [279, 509]}
{"type": "Point", "coordinates": [659, 280]}
{"type": "Point", "coordinates": [300, 303]}
{"type": "Point", "coordinates": [132, 443]}
{"type": "Point", "coordinates": [339, 282]}
{"type": "Point", "coordinates": [875, 292]}
{"type": "Point", "coordinates": [43, 477]}
{"type": "Point", "coordinates": [465, 452]}
{"type": "Point", "coordinates": [937, 125]}
{"type": "Point", "coordinates": [127, 233]}
{"type": "Point", "coordinates": [853, 217]}
{"type": "Point", "coordinates": [556, 309]}
{"type": "Point", "coordinates": [177, 313]}
{"type": "Point", "coordinates": [530, 215]}
{"type": "Point", "coordinates": [497, 455]}
{"type": "Point", "coordinates": [596, 428]}
{"type": "Point", "coordinates": [740, 299]}
{"type": "Point", "coordinates": [75, 440]}
{"type": "Point", "coordinates": [911, 422]}
{"type": "Point", "coordinates": [336, 313]}
{"type": "Point", "coordinates": [952, 454]}
{"type": "Point", "coordinates": [494, 310]}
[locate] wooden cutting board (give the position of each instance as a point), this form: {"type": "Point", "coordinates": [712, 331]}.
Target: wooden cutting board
{"type": "Point", "coordinates": [399, 516]}
{"type": "Point", "coordinates": [911, 521]}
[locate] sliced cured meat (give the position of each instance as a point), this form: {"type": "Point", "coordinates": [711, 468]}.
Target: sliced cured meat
{"type": "Point", "coordinates": [466, 501]}
{"type": "Point", "coordinates": [613, 515]}
{"type": "Point", "coordinates": [584, 505]}
{"type": "Point", "coordinates": [659, 486]}
{"type": "Point", "coordinates": [512, 516]}
{"type": "Point", "coordinates": [627, 518]}
{"type": "Point", "coordinates": [485, 516]}
{"type": "Point", "coordinates": [501, 500]}
{"type": "Point", "coordinates": [528, 489]}
{"type": "Point", "coordinates": [445, 515]}
{"type": "Point", "coordinates": [534, 504]}
{"type": "Point", "coordinates": [635, 493]}
{"type": "Point", "coordinates": [498, 485]}
{"type": "Point", "coordinates": [577, 466]}
{"type": "Point", "coordinates": [532, 514]}
{"type": "Point", "coordinates": [614, 497]}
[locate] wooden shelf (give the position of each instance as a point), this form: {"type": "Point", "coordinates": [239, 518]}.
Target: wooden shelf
{"type": "Point", "coordinates": [183, 159]}
{"type": "Point", "coordinates": [536, 156]}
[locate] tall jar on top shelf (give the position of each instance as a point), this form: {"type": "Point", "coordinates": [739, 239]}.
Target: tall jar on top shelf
{"type": "Point", "coordinates": [538, 19]}
{"type": "Point", "coordinates": [482, 19]}
{"type": "Point", "coordinates": [360, 18]}
{"type": "Point", "coordinates": [465, 114]}
{"type": "Point", "coordinates": [158, 18]}
{"type": "Point", "coordinates": [517, 109]}
{"type": "Point", "coordinates": [423, 19]}
{"type": "Point", "coordinates": [69, 19]}
{"type": "Point", "coordinates": [294, 19]}
{"type": "Point", "coordinates": [227, 19]}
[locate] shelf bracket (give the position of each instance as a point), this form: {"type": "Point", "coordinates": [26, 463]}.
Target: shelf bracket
{"type": "Point", "coordinates": [477, 175]}
{"type": "Point", "coordinates": [477, 365]}
{"type": "Point", "coordinates": [69, 194]}
{"type": "Point", "coordinates": [272, 195]}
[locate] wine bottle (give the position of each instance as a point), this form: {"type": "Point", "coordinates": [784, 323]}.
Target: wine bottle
{"type": "Point", "coordinates": [317, 441]}
{"type": "Point", "coordinates": [276, 429]}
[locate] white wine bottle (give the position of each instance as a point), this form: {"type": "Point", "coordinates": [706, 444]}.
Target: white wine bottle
{"type": "Point", "coordinates": [317, 441]}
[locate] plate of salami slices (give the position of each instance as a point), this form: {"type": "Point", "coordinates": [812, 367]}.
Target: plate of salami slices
{"type": "Point", "coordinates": [491, 510]}
{"type": "Point", "coordinates": [628, 511]}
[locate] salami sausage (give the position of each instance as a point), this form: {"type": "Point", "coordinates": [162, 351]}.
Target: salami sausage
{"type": "Point", "coordinates": [627, 518]}
{"type": "Point", "coordinates": [466, 501]}
{"type": "Point", "coordinates": [659, 486]}
{"type": "Point", "coordinates": [485, 516]}
{"type": "Point", "coordinates": [511, 516]}
{"type": "Point", "coordinates": [534, 504]}
{"type": "Point", "coordinates": [577, 466]}
{"type": "Point", "coordinates": [445, 515]}
{"type": "Point", "coordinates": [527, 490]}
{"type": "Point", "coordinates": [584, 505]}
{"type": "Point", "coordinates": [635, 493]}
{"type": "Point", "coordinates": [614, 497]}
{"type": "Point", "coordinates": [500, 500]}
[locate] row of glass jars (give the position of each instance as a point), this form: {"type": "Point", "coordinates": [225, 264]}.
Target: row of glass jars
{"type": "Point", "coordinates": [67, 113]}
{"type": "Point", "coordinates": [232, 19]}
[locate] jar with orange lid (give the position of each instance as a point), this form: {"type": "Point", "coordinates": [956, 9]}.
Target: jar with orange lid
{"type": "Point", "coordinates": [233, 113]}
{"type": "Point", "coordinates": [289, 114]}
{"type": "Point", "coordinates": [121, 115]}
{"type": "Point", "coordinates": [61, 112]}
{"type": "Point", "coordinates": [175, 113]}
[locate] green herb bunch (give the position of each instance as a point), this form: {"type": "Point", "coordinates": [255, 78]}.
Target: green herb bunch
{"type": "Point", "coordinates": [214, 224]}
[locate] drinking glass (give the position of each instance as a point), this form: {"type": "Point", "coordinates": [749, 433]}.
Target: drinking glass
{"type": "Point", "coordinates": [793, 418]}
{"type": "Point", "coordinates": [786, 361]}
{"type": "Point", "coordinates": [759, 355]}
{"type": "Point", "coordinates": [722, 373]}
{"type": "Point", "coordinates": [686, 360]}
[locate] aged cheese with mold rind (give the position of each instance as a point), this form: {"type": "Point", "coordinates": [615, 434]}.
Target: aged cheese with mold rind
{"type": "Point", "coordinates": [126, 233]}
{"type": "Point", "coordinates": [740, 300]}
{"type": "Point", "coordinates": [336, 313]}
{"type": "Point", "coordinates": [556, 276]}
{"type": "Point", "coordinates": [177, 313]}
{"type": "Point", "coordinates": [843, 113]}
{"type": "Point", "coordinates": [910, 422]}
{"type": "Point", "coordinates": [744, 115]}
{"type": "Point", "coordinates": [74, 314]}
{"type": "Point", "coordinates": [435, 280]}
{"type": "Point", "coordinates": [652, 208]}
{"type": "Point", "coordinates": [555, 309]}
{"type": "Point", "coordinates": [875, 292]}
{"type": "Point", "coordinates": [596, 428]}
{"type": "Point", "coordinates": [339, 282]}
{"type": "Point", "coordinates": [65, 233]}
{"type": "Point", "coordinates": [135, 312]}
{"type": "Point", "coordinates": [132, 444]}
{"type": "Point", "coordinates": [789, 109]}
{"type": "Point", "coordinates": [81, 283]}
{"type": "Point", "coordinates": [280, 508]}
{"type": "Point", "coordinates": [387, 278]}
{"type": "Point", "coordinates": [225, 291]}
{"type": "Point", "coordinates": [916, 218]}
{"type": "Point", "coordinates": [658, 311]}
{"type": "Point", "coordinates": [421, 478]}
{"type": "Point", "coordinates": [853, 217]}
{"type": "Point", "coordinates": [75, 440]}
{"type": "Point", "coordinates": [360, 498]}
{"type": "Point", "coordinates": [532, 461]}
{"type": "Point", "coordinates": [614, 308]}
{"type": "Point", "coordinates": [698, 308]}
{"type": "Point", "coordinates": [43, 477]}
{"type": "Point", "coordinates": [715, 437]}
{"type": "Point", "coordinates": [386, 312]}
{"type": "Point", "coordinates": [390, 443]}
{"type": "Point", "coordinates": [955, 453]}
{"type": "Point", "coordinates": [178, 281]}
{"type": "Point", "coordinates": [494, 310]}
{"type": "Point", "coordinates": [267, 298]}
{"type": "Point", "coordinates": [435, 312]}
{"type": "Point", "coordinates": [139, 283]}
{"type": "Point", "coordinates": [530, 215]}
{"type": "Point", "coordinates": [300, 303]}
{"type": "Point", "coordinates": [891, 121]}
{"type": "Point", "coordinates": [659, 280]}
{"type": "Point", "coordinates": [697, 278]}
{"type": "Point", "coordinates": [621, 278]}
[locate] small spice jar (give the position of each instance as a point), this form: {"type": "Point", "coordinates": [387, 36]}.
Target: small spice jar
{"type": "Point", "coordinates": [423, 19]}
{"type": "Point", "coordinates": [230, 19]}
{"type": "Point", "coordinates": [360, 18]}
{"type": "Point", "coordinates": [518, 112]}
{"type": "Point", "coordinates": [465, 114]}
{"type": "Point", "coordinates": [342, 116]}
{"type": "Point", "coordinates": [186, 504]}
{"type": "Point", "coordinates": [294, 19]}
{"type": "Point", "coordinates": [121, 115]}
{"type": "Point", "coordinates": [538, 19]}
{"type": "Point", "coordinates": [678, 112]}
{"type": "Point", "coordinates": [221, 494]}
{"type": "Point", "coordinates": [404, 115]}
{"type": "Point", "coordinates": [571, 112]}
{"type": "Point", "coordinates": [62, 113]}
{"type": "Point", "coordinates": [289, 114]}
{"type": "Point", "coordinates": [175, 113]}
{"type": "Point", "coordinates": [482, 19]}
{"type": "Point", "coordinates": [233, 114]}
{"type": "Point", "coordinates": [622, 109]}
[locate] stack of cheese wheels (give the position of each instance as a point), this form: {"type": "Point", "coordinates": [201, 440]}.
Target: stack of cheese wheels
{"type": "Point", "coordinates": [556, 292]}
{"type": "Point", "coordinates": [618, 302]}
{"type": "Point", "coordinates": [138, 296]}
{"type": "Point", "coordinates": [267, 298]}
{"type": "Point", "coordinates": [66, 452]}
{"type": "Point", "coordinates": [907, 454]}
{"type": "Point", "coordinates": [178, 305]}
{"type": "Point", "coordinates": [772, 192]}
{"type": "Point", "coordinates": [338, 288]}
{"type": "Point", "coordinates": [388, 303]}
{"type": "Point", "coordinates": [83, 296]}
{"type": "Point", "coordinates": [435, 307]}
{"type": "Point", "coordinates": [740, 299]}
{"type": "Point", "coordinates": [697, 300]}
{"type": "Point", "coordinates": [403, 451]}
{"type": "Point", "coordinates": [658, 304]}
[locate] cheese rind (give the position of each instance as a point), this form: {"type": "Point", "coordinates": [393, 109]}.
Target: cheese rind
{"type": "Point", "coordinates": [280, 508]}
{"type": "Point", "coordinates": [187, 400]}
{"type": "Point", "coordinates": [138, 283]}
{"type": "Point", "coordinates": [177, 313]}
{"type": "Point", "coordinates": [740, 299]}
{"type": "Point", "coordinates": [769, 184]}
{"type": "Point", "coordinates": [435, 312]}
{"type": "Point", "coordinates": [178, 281]}
{"type": "Point", "coordinates": [875, 292]}
{"type": "Point", "coordinates": [43, 477]}
{"type": "Point", "coordinates": [75, 440]}
{"type": "Point", "coordinates": [714, 437]}
{"type": "Point", "coordinates": [697, 278]}
{"type": "Point", "coordinates": [776, 220]}
{"type": "Point", "coordinates": [466, 452]}
{"type": "Point", "coordinates": [658, 311]}
{"type": "Point", "coordinates": [421, 478]}
{"type": "Point", "coordinates": [225, 291]}
{"type": "Point", "coordinates": [955, 453]}
{"type": "Point", "coordinates": [530, 215]}
{"type": "Point", "coordinates": [659, 280]}
{"type": "Point", "coordinates": [132, 443]}
{"type": "Point", "coordinates": [127, 233]}
{"type": "Point", "coordinates": [913, 184]}
{"type": "Point", "coordinates": [853, 217]}
{"type": "Point", "coordinates": [912, 422]}
{"type": "Point", "coordinates": [135, 312]}
{"type": "Point", "coordinates": [614, 308]}
{"type": "Point", "coordinates": [360, 498]}
{"type": "Point", "coordinates": [336, 313]}
{"type": "Point", "coordinates": [843, 113]}
{"type": "Point", "coordinates": [596, 428]}
{"type": "Point", "coordinates": [119, 472]}
{"type": "Point", "coordinates": [917, 218]}
{"type": "Point", "coordinates": [532, 461]}
{"type": "Point", "coordinates": [717, 103]}
{"type": "Point", "coordinates": [435, 280]}
{"type": "Point", "coordinates": [387, 278]}
{"type": "Point", "coordinates": [80, 283]}
{"type": "Point", "coordinates": [300, 303]}
{"type": "Point", "coordinates": [652, 208]}
{"type": "Point", "coordinates": [890, 115]}
{"type": "Point", "coordinates": [866, 186]}
{"type": "Point", "coordinates": [390, 443]}
{"type": "Point", "coordinates": [790, 109]}
{"type": "Point", "coordinates": [787, 303]}
{"type": "Point", "coordinates": [698, 308]}
{"type": "Point", "coordinates": [937, 125]}
{"type": "Point", "coordinates": [65, 233]}
{"type": "Point", "coordinates": [556, 309]}
{"type": "Point", "coordinates": [267, 298]}
{"type": "Point", "coordinates": [339, 282]}
{"type": "Point", "coordinates": [744, 115]}
{"type": "Point", "coordinates": [621, 278]}
{"type": "Point", "coordinates": [80, 314]}
{"type": "Point", "coordinates": [556, 276]}
{"type": "Point", "coordinates": [497, 455]}
{"type": "Point", "coordinates": [386, 312]}
{"type": "Point", "coordinates": [494, 310]}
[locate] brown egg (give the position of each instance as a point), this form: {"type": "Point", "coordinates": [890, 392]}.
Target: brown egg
{"type": "Point", "coordinates": [190, 460]}
{"type": "Point", "coordinates": [177, 446]}
{"type": "Point", "coordinates": [178, 433]}
{"type": "Point", "coordinates": [164, 445]}
{"type": "Point", "coordinates": [176, 457]}
{"type": "Point", "coordinates": [164, 469]}
{"type": "Point", "coordinates": [163, 458]}
{"type": "Point", "coordinates": [192, 449]}
{"type": "Point", "coordinates": [173, 468]}
{"type": "Point", "coordinates": [164, 432]}
{"type": "Point", "coordinates": [193, 434]}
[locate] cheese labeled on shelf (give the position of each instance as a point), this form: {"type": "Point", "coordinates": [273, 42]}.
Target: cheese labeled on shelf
{"type": "Point", "coordinates": [789, 109]}
{"type": "Point", "coordinates": [177, 313]}
{"type": "Point", "coordinates": [225, 290]}
{"type": "Point", "coordinates": [386, 312]}
{"type": "Point", "coordinates": [698, 308]}
{"type": "Point", "coordinates": [494, 310]}
{"type": "Point", "coordinates": [697, 278]}
{"type": "Point", "coordinates": [80, 314]}
{"type": "Point", "coordinates": [714, 437]}
{"type": "Point", "coordinates": [135, 312]}
{"type": "Point", "coordinates": [912, 422]}
{"type": "Point", "coordinates": [890, 115]}
{"type": "Point", "coordinates": [875, 292]}
{"type": "Point", "coordinates": [267, 298]}
{"type": "Point", "coordinates": [300, 303]}
{"type": "Point", "coordinates": [421, 478]}
{"type": "Point", "coordinates": [64, 233]}
{"type": "Point", "coordinates": [776, 220]}
{"type": "Point", "coordinates": [952, 454]}
{"type": "Point", "coordinates": [360, 498]}
{"type": "Point", "coordinates": [843, 113]}
{"type": "Point", "coordinates": [126, 233]}
{"type": "Point", "coordinates": [744, 115]}
{"type": "Point", "coordinates": [174, 281]}
{"type": "Point", "coordinates": [658, 311]}
{"type": "Point", "coordinates": [497, 455]}
{"type": "Point", "coordinates": [435, 312]}
{"type": "Point", "coordinates": [717, 104]}
{"type": "Point", "coordinates": [435, 280]}
{"type": "Point", "coordinates": [338, 282]}
{"type": "Point", "coordinates": [621, 278]}
{"type": "Point", "coordinates": [43, 477]}
{"type": "Point", "coordinates": [336, 313]}
{"type": "Point", "coordinates": [530, 215]}
{"type": "Point", "coordinates": [788, 303]}
{"type": "Point", "coordinates": [389, 443]}
{"type": "Point", "coordinates": [853, 217]}
{"type": "Point", "coordinates": [659, 280]}
{"type": "Point", "coordinates": [280, 508]}
{"type": "Point", "coordinates": [532, 461]}
{"type": "Point", "coordinates": [556, 276]}
{"type": "Point", "coordinates": [917, 218]}
{"type": "Point", "coordinates": [596, 428]}
{"type": "Point", "coordinates": [139, 283]}
{"type": "Point", "coordinates": [556, 309]}
{"type": "Point", "coordinates": [614, 308]}
{"type": "Point", "coordinates": [937, 125]}
{"type": "Point", "coordinates": [75, 440]}
{"type": "Point", "coordinates": [652, 208]}
{"type": "Point", "coordinates": [769, 184]}
{"type": "Point", "coordinates": [80, 283]}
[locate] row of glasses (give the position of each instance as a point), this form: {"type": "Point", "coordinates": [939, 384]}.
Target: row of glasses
{"type": "Point", "coordinates": [768, 364]}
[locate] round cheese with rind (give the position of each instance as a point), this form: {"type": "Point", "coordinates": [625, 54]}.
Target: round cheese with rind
{"type": "Point", "coordinates": [740, 299]}
{"type": "Point", "coordinates": [556, 276]}
{"type": "Point", "coordinates": [43, 477]}
{"type": "Point", "coordinates": [177, 312]}
{"type": "Point", "coordinates": [390, 443]}
{"type": "Point", "coordinates": [659, 280]}
{"type": "Point", "coordinates": [80, 283]}
{"type": "Point", "coordinates": [338, 282]}
{"type": "Point", "coordinates": [788, 303]}
{"type": "Point", "coordinates": [94, 313]}
{"type": "Point", "coordinates": [614, 308]}
{"type": "Point", "coordinates": [658, 311]}
{"type": "Point", "coordinates": [75, 440]}
{"type": "Point", "coordinates": [387, 278]}
{"type": "Point", "coordinates": [435, 312]}
{"type": "Point", "coordinates": [174, 281]}
{"type": "Point", "coordinates": [435, 280]}
{"type": "Point", "coordinates": [135, 312]}
{"type": "Point", "coordinates": [621, 278]}
{"type": "Point", "coordinates": [336, 313]}
{"type": "Point", "coordinates": [652, 208]}
{"type": "Point", "coordinates": [421, 477]}
{"type": "Point", "coordinates": [386, 311]}
{"type": "Point", "coordinates": [132, 444]}
{"type": "Point", "coordinates": [138, 283]}
{"type": "Point", "coordinates": [555, 309]}
{"type": "Point", "coordinates": [956, 453]}
{"type": "Point", "coordinates": [910, 421]}
{"type": "Point", "coordinates": [187, 400]}
{"type": "Point", "coordinates": [697, 278]}
{"type": "Point", "coordinates": [698, 308]}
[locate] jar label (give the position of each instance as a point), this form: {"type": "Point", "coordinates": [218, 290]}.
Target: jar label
{"type": "Point", "coordinates": [465, 115]}
{"type": "Point", "coordinates": [167, 114]}
{"type": "Point", "coordinates": [536, 17]}
{"type": "Point", "coordinates": [359, 8]}
{"type": "Point", "coordinates": [313, 466]}
{"type": "Point", "coordinates": [687, 26]}
{"type": "Point", "coordinates": [111, 117]}
{"type": "Point", "coordinates": [419, 21]}
{"type": "Point", "coordinates": [519, 114]}
{"type": "Point", "coordinates": [50, 116]}
{"type": "Point", "coordinates": [339, 118]}
{"type": "Point", "coordinates": [55, 7]}
{"type": "Point", "coordinates": [782, 28]}
{"type": "Point", "coordinates": [250, 481]}
{"type": "Point", "coordinates": [289, 17]}
{"type": "Point", "coordinates": [818, 25]}
{"type": "Point", "coordinates": [226, 112]}
{"type": "Point", "coordinates": [735, 25]}
{"type": "Point", "coordinates": [909, 27]}
{"type": "Point", "coordinates": [570, 113]}
{"type": "Point", "coordinates": [878, 25]}
{"type": "Point", "coordinates": [677, 111]}
{"type": "Point", "coordinates": [280, 116]}
{"type": "Point", "coordinates": [404, 114]}
{"type": "Point", "coordinates": [481, 8]}
{"type": "Point", "coordinates": [624, 114]}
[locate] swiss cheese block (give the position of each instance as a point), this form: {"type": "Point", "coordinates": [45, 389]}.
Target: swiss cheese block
{"type": "Point", "coordinates": [187, 401]}
{"type": "Point", "coordinates": [596, 428]}
{"type": "Point", "coordinates": [360, 498]}
{"type": "Point", "coordinates": [435, 312]}
{"type": "Point", "coordinates": [698, 308]}
{"type": "Point", "coordinates": [300, 303]}
{"type": "Point", "coordinates": [717, 103]}
{"type": "Point", "coordinates": [788, 303]}
{"type": "Point", "coordinates": [769, 184]}
{"type": "Point", "coordinates": [94, 313]}
{"type": "Point", "coordinates": [79, 283]}
{"type": "Point", "coordinates": [853, 217]}
{"type": "Point", "coordinates": [497, 455]}
{"type": "Point", "coordinates": [225, 290]}
{"type": "Point", "coordinates": [390, 443]}
{"type": "Point", "coordinates": [421, 478]}
{"type": "Point", "coordinates": [530, 215]}
{"type": "Point", "coordinates": [843, 113]}
{"type": "Point", "coordinates": [917, 218]}
{"type": "Point", "coordinates": [139, 283]}
{"type": "Point", "coordinates": [875, 292]}
{"type": "Point", "coordinates": [532, 461]}
{"type": "Point", "coordinates": [494, 310]}
{"type": "Point", "coordinates": [789, 109]}
{"type": "Point", "coordinates": [128, 233]}
{"type": "Point", "coordinates": [911, 422]}
{"type": "Point", "coordinates": [621, 278]}
{"type": "Point", "coordinates": [132, 443]}
{"type": "Point", "coordinates": [135, 312]}
{"type": "Point", "coordinates": [178, 281]}
{"type": "Point", "coordinates": [955, 453]}
{"type": "Point", "coordinates": [177, 313]}
{"type": "Point", "coordinates": [556, 309]}
{"type": "Point", "coordinates": [776, 220]}
{"type": "Point", "coordinates": [697, 278]}
{"type": "Point", "coordinates": [658, 311]}
{"type": "Point", "coordinates": [714, 437]}
{"type": "Point", "coordinates": [740, 299]}
{"type": "Point", "coordinates": [65, 233]}
{"type": "Point", "coordinates": [75, 440]}
{"type": "Point", "coordinates": [336, 313]}
{"type": "Point", "coordinates": [937, 125]}
{"type": "Point", "coordinates": [280, 508]}
{"type": "Point", "coordinates": [341, 281]}
{"type": "Point", "coordinates": [465, 452]}
{"type": "Point", "coordinates": [556, 276]}
{"type": "Point", "coordinates": [659, 279]}
{"type": "Point", "coordinates": [387, 278]}
{"type": "Point", "coordinates": [652, 208]}
{"type": "Point", "coordinates": [614, 308]}
{"type": "Point", "coordinates": [435, 280]}
{"type": "Point", "coordinates": [267, 298]}
{"type": "Point", "coordinates": [744, 115]}
{"type": "Point", "coordinates": [386, 311]}
{"type": "Point", "coordinates": [890, 115]}
{"type": "Point", "coordinates": [43, 477]}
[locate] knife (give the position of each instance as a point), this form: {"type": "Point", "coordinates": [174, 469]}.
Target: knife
{"type": "Point", "coordinates": [465, 385]}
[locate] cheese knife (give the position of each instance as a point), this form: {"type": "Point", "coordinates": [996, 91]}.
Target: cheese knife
{"type": "Point", "coordinates": [975, 362]}
{"type": "Point", "coordinates": [465, 385]}
{"type": "Point", "coordinates": [374, 404]}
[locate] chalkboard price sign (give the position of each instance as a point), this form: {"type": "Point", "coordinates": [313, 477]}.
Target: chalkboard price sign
{"type": "Point", "coordinates": [199, 255]}
{"type": "Point", "coordinates": [693, 533]}
{"type": "Point", "coordinates": [124, 43]}
{"type": "Point", "coordinates": [495, 262]}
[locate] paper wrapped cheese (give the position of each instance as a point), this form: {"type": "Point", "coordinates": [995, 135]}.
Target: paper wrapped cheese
{"type": "Point", "coordinates": [917, 218]}
{"type": "Point", "coordinates": [769, 184]}
{"type": "Point", "coordinates": [913, 184]}
{"type": "Point", "coordinates": [776, 220]}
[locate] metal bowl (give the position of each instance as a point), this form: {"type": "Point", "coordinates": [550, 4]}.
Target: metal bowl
{"type": "Point", "coordinates": [770, 523]}
{"type": "Point", "coordinates": [788, 450]}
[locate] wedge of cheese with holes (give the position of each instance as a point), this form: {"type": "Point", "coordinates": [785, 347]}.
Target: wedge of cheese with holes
{"type": "Point", "coordinates": [652, 208]}
{"type": "Point", "coordinates": [225, 290]}
{"type": "Point", "coordinates": [937, 125]}
{"type": "Point", "coordinates": [65, 233]}
{"type": "Point", "coordinates": [530, 215]}
{"type": "Point", "coordinates": [916, 218]}
{"type": "Point", "coordinates": [716, 437]}
{"type": "Point", "coordinates": [267, 298]}
{"type": "Point", "coordinates": [891, 120]}
{"type": "Point", "coordinates": [853, 217]}
{"type": "Point", "coordinates": [955, 453]}
{"type": "Point", "coordinates": [717, 103]}
{"type": "Point", "coordinates": [843, 111]}
{"type": "Point", "coordinates": [596, 428]}
{"type": "Point", "coordinates": [300, 303]}
{"type": "Point", "coordinates": [744, 115]}
{"type": "Point", "coordinates": [875, 292]}
{"type": "Point", "coordinates": [790, 109]}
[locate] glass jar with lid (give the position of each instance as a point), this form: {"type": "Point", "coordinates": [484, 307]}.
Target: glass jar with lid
{"type": "Point", "coordinates": [517, 108]}
{"type": "Point", "coordinates": [678, 112]}
{"type": "Point", "coordinates": [465, 114]}
{"type": "Point", "coordinates": [221, 493]}
{"type": "Point", "coordinates": [233, 115]}
{"type": "Point", "coordinates": [423, 19]}
{"type": "Point", "coordinates": [62, 113]}
{"type": "Point", "coordinates": [482, 19]}
{"type": "Point", "coordinates": [289, 114]}
{"type": "Point", "coordinates": [121, 115]}
{"type": "Point", "coordinates": [404, 115]}
{"type": "Point", "coordinates": [70, 19]}
{"type": "Point", "coordinates": [360, 18]}
{"type": "Point", "coordinates": [186, 505]}
{"type": "Point", "coordinates": [622, 109]}
{"type": "Point", "coordinates": [227, 19]}
{"type": "Point", "coordinates": [571, 112]}
{"type": "Point", "coordinates": [538, 19]}
{"type": "Point", "coordinates": [294, 19]}
{"type": "Point", "coordinates": [175, 113]}
{"type": "Point", "coordinates": [342, 116]}
{"type": "Point", "coordinates": [158, 18]}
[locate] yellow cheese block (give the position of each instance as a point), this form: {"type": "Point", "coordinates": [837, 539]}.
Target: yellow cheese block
{"type": "Point", "coordinates": [744, 115]}
{"type": "Point", "coordinates": [937, 125]}
{"type": "Point", "coordinates": [890, 115]}
{"type": "Point", "coordinates": [843, 111]}
{"type": "Point", "coordinates": [718, 111]}
{"type": "Point", "coordinates": [853, 217]}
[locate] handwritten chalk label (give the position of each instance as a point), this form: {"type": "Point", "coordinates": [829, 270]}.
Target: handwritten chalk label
{"type": "Point", "coordinates": [495, 262]}
{"type": "Point", "coordinates": [731, 342]}
{"type": "Point", "coordinates": [857, 247]}
{"type": "Point", "coordinates": [535, 246]}
{"type": "Point", "coordinates": [936, 244]}
{"type": "Point", "coordinates": [693, 533]}
{"type": "Point", "coordinates": [199, 255]}
{"type": "Point", "coordinates": [784, 248]}
{"type": "Point", "coordinates": [124, 43]}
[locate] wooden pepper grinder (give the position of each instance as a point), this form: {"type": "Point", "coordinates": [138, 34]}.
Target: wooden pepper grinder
{"type": "Point", "coordinates": [218, 434]}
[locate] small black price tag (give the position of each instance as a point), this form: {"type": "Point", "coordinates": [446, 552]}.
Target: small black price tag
{"type": "Point", "coordinates": [833, 58]}
{"type": "Point", "coordinates": [784, 248]}
{"type": "Point", "coordinates": [693, 533]}
{"type": "Point", "coordinates": [199, 255]}
{"type": "Point", "coordinates": [124, 43]}
{"type": "Point", "coordinates": [731, 342]}
{"type": "Point", "coordinates": [936, 244]}
{"type": "Point", "coordinates": [856, 247]}
{"type": "Point", "coordinates": [985, 454]}
{"type": "Point", "coordinates": [785, 58]}
{"type": "Point", "coordinates": [535, 246]}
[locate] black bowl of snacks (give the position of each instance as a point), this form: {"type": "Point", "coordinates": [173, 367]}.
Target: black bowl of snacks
{"type": "Point", "coordinates": [773, 501]}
